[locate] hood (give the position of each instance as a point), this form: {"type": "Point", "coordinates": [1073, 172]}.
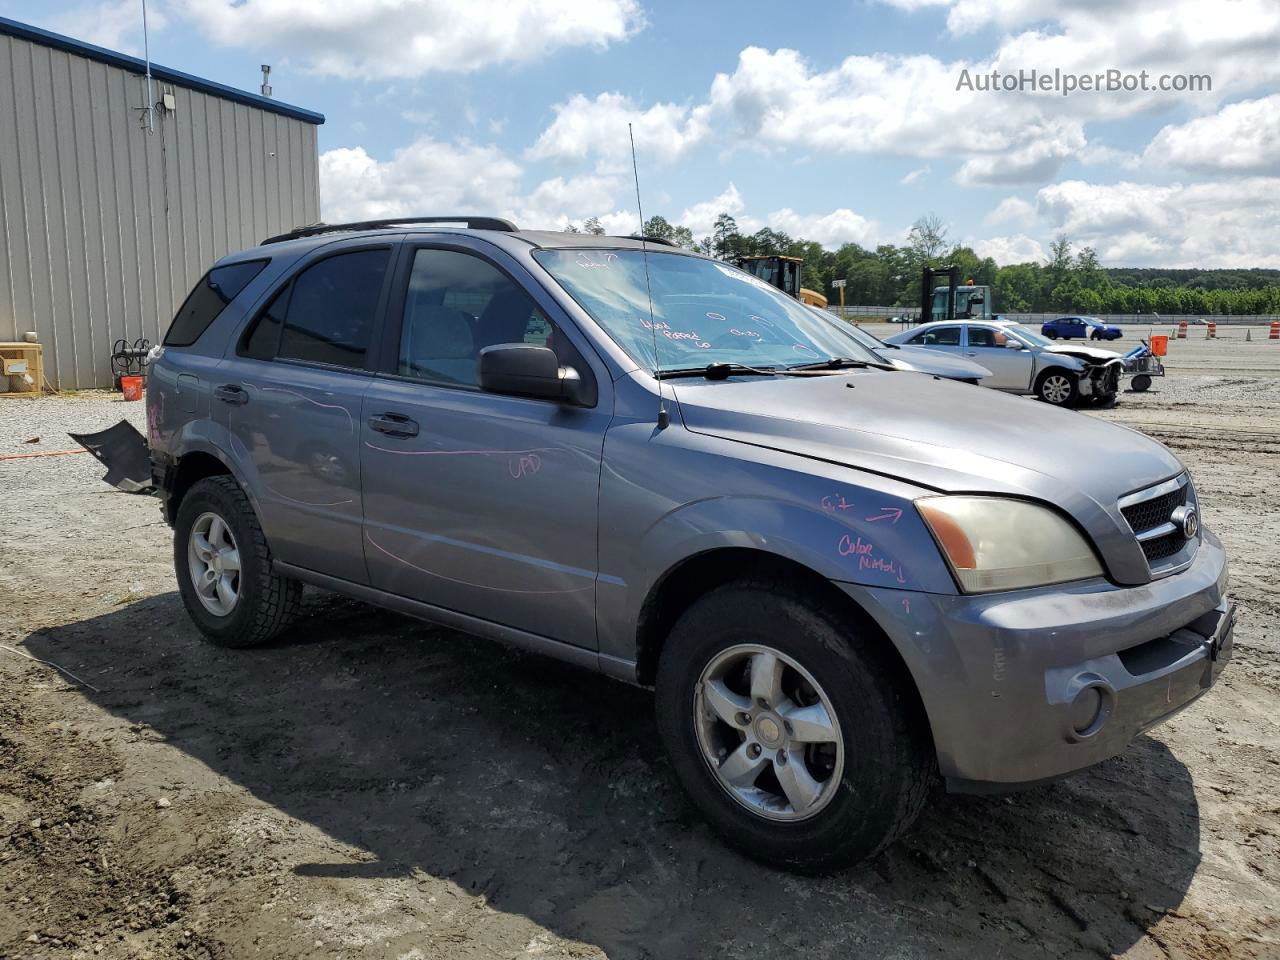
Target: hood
{"type": "Point", "coordinates": [935, 362]}
{"type": "Point", "coordinates": [1095, 354]}
{"type": "Point", "coordinates": [946, 436]}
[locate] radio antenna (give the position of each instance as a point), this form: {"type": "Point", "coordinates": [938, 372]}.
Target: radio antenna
{"type": "Point", "coordinates": [663, 417]}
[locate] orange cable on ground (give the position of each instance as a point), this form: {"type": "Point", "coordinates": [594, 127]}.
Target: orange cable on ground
{"type": "Point", "coordinates": [43, 453]}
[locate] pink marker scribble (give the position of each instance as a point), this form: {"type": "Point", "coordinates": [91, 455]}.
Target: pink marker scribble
{"type": "Point", "coordinates": [906, 605]}
{"type": "Point", "coordinates": [525, 466]}
{"type": "Point", "coordinates": [835, 502]}
{"type": "Point", "coordinates": [585, 261]}
{"type": "Point", "coordinates": [889, 513]}
{"type": "Point", "coordinates": [865, 551]}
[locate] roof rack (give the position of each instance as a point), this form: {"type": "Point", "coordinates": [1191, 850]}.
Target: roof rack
{"type": "Point", "coordinates": [662, 240]}
{"type": "Point", "coordinates": [471, 223]}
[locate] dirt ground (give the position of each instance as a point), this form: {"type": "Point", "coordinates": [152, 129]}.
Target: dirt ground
{"type": "Point", "coordinates": [373, 787]}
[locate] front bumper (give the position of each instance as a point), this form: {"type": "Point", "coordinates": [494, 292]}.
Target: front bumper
{"type": "Point", "coordinates": [1030, 685]}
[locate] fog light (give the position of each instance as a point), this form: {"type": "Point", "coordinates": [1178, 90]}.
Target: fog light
{"type": "Point", "coordinates": [1085, 709]}
{"type": "Point", "coordinates": [1090, 709]}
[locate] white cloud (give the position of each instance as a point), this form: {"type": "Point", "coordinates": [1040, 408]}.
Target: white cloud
{"type": "Point", "coordinates": [1011, 210]}
{"type": "Point", "coordinates": [890, 104]}
{"type": "Point", "coordinates": [1227, 223]}
{"type": "Point", "coordinates": [1241, 138]}
{"type": "Point", "coordinates": [426, 177]}
{"type": "Point", "coordinates": [829, 229]}
{"type": "Point", "coordinates": [405, 38]}
{"type": "Point", "coordinates": [701, 217]}
{"type": "Point", "coordinates": [116, 26]}
{"type": "Point", "coordinates": [598, 127]}
{"type": "Point", "coordinates": [1019, 248]}
{"type": "Point", "coordinates": [913, 176]}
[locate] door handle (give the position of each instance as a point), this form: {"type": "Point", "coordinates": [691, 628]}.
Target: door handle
{"type": "Point", "coordinates": [231, 393]}
{"type": "Point", "coordinates": [393, 425]}
{"type": "Point", "coordinates": [972, 354]}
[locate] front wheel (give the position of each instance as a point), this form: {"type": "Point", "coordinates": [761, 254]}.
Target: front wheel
{"type": "Point", "coordinates": [791, 728]}
{"type": "Point", "coordinates": [1051, 334]}
{"type": "Point", "coordinates": [1057, 388]}
{"type": "Point", "coordinates": [1141, 382]}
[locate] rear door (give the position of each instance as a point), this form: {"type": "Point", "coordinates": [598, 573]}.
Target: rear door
{"type": "Point", "coordinates": [477, 502]}
{"type": "Point", "coordinates": [291, 396]}
{"type": "Point", "coordinates": [1010, 369]}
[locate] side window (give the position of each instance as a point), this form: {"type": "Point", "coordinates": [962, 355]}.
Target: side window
{"type": "Point", "coordinates": [458, 304]}
{"type": "Point", "coordinates": [216, 289]}
{"type": "Point", "coordinates": [264, 337]}
{"type": "Point", "coordinates": [983, 337]}
{"type": "Point", "coordinates": [942, 337]}
{"type": "Point", "coordinates": [331, 307]}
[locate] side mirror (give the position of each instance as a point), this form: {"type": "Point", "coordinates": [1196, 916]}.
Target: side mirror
{"type": "Point", "coordinates": [1012, 344]}
{"type": "Point", "coordinates": [527, 370]}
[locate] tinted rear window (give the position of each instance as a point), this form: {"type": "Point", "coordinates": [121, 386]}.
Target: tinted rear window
{"type": "Point", "coordinates": [331, 309]}
{"type": "Point", "coordinates": [216, 289]}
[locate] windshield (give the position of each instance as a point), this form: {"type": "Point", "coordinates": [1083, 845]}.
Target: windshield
{"type": "Point", "coordinates": [703, 311]}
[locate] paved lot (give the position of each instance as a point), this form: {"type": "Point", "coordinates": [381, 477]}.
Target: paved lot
{"type": "Point", "coordinates": [373, 787]}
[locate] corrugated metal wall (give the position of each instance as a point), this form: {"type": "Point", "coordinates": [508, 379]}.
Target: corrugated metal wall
{"type": "Point", "coordinates": [106, 227]}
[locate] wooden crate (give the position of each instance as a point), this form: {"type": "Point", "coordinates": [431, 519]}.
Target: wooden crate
{"type": "Point", "coordinates": [14, 355]}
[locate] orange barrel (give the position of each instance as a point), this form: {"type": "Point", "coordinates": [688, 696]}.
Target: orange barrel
{"type": "Point", "coordinates": [1182, 329]}
{"type": "Point", "coordinates": [131, 386]}
{"type": "Point", "coordinates": [1159, 344]}
{"type": "Point", "coordinates": [1212, 331]}
{"type": "Point", "coordinates": [1275, 330]}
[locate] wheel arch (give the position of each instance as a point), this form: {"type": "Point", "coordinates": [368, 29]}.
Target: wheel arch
{"type": "Point", "coordinates": [190, 469]}
{"type": "Point", "coordinates": [677, 589]}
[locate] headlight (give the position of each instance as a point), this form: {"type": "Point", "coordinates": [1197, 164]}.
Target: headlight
{"type": "Point", "coordinates": [997, 544]}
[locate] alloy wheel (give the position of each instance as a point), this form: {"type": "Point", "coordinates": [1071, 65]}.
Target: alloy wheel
{"type": "Point", "coordinates": [768, 732]}
{"type": "Point", "coordinates": [1056, 388]}
{"type": "Point", "coordinates": [213, 560]}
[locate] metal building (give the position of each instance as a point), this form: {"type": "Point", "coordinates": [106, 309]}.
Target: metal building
{"type": "Point", "coordinates": [108, 220]}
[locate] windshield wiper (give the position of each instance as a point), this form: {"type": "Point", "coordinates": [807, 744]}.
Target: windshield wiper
{"type": "Point", "coordinates": [717, 371]}
{"type": "Point", "coordinates": [840, 363]}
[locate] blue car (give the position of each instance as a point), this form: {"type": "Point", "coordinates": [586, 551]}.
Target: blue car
{"type": "Point", "coordinates": [1091, 327]}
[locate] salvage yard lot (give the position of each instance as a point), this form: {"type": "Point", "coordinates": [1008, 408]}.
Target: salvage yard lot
{"type": "Point", "coordinates": [375, 787]}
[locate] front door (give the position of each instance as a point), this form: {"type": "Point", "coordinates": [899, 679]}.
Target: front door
{"type": "Point", "coordinates": [475, 502]}
{"type": "Point", "coordinates": [291, 397]}
{"type": "Point", "coordinates": [1010, 369]}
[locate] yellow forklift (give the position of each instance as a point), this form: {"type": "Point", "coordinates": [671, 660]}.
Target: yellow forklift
{"type": "Point", "coordinates": [783, 273]}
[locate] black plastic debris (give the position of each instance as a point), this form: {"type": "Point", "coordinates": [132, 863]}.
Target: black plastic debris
{"type": "Point", "coordinates": [123, 451]}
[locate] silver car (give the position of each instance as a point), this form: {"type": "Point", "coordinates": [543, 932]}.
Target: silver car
{"type": "Point", "coordinates": [916, 359]}
{"type": "Point", "coordinates": [1022, 361]}
{"type": "Point", "coordinates": [843, 581]}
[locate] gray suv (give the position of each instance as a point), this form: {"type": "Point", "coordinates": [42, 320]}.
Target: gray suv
{"type": "Point", "coordinates": [843, 580]}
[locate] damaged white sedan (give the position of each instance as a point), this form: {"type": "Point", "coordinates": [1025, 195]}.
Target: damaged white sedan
{"type": "Point", "coordinates": [1022, 361]}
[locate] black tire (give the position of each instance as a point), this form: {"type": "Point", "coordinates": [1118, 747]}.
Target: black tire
{"type": "Point", "coordinates": [1141, 383]}
{"type": "Point", "coordinates": [1051, 334]}
{"type": "Point", "coordinates": [268, 603]}
{"type": "Point", "coordinates": [1049, 390]}
{"type": "Point", "coordinates": [889, 763]}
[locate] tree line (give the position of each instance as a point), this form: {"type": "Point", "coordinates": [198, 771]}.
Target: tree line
{"type": "Point", "coordinates": [1070, 280]}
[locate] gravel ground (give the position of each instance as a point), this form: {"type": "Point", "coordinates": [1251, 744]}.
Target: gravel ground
{"type": "Point", "coordinates": [374, 787]}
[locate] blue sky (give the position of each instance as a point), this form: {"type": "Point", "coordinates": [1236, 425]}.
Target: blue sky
{"type": "Point", "coordinates": [835, 121]}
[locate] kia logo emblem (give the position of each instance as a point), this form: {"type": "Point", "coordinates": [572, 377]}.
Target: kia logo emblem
{"type": "Point", "coordinates": [1188, 520]}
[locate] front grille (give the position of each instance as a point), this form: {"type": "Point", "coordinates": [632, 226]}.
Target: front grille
{"type": "Point", "coordinates": [1161, 548]}
{"type": "Point", "coordinates": [1152, 513]}
{"type": "Point", "coordinates": [1144, 514]}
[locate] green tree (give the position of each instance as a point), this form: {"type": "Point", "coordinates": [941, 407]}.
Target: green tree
{"type": "Point", "coordinates": [593, 225]}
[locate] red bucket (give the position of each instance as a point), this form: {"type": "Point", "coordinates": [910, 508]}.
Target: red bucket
{"type": "Point", "coordinates": [131, 387]}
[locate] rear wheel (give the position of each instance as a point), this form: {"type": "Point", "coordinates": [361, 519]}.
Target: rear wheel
{"type": "Point", "coordinates": [790, 728]}
{"type": "Point", "coordinates": [1141, 382]}
{"type": "Point", "coordinates": [1057, 387]}
{"type": "Point", "coordinates": [224, 567]}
